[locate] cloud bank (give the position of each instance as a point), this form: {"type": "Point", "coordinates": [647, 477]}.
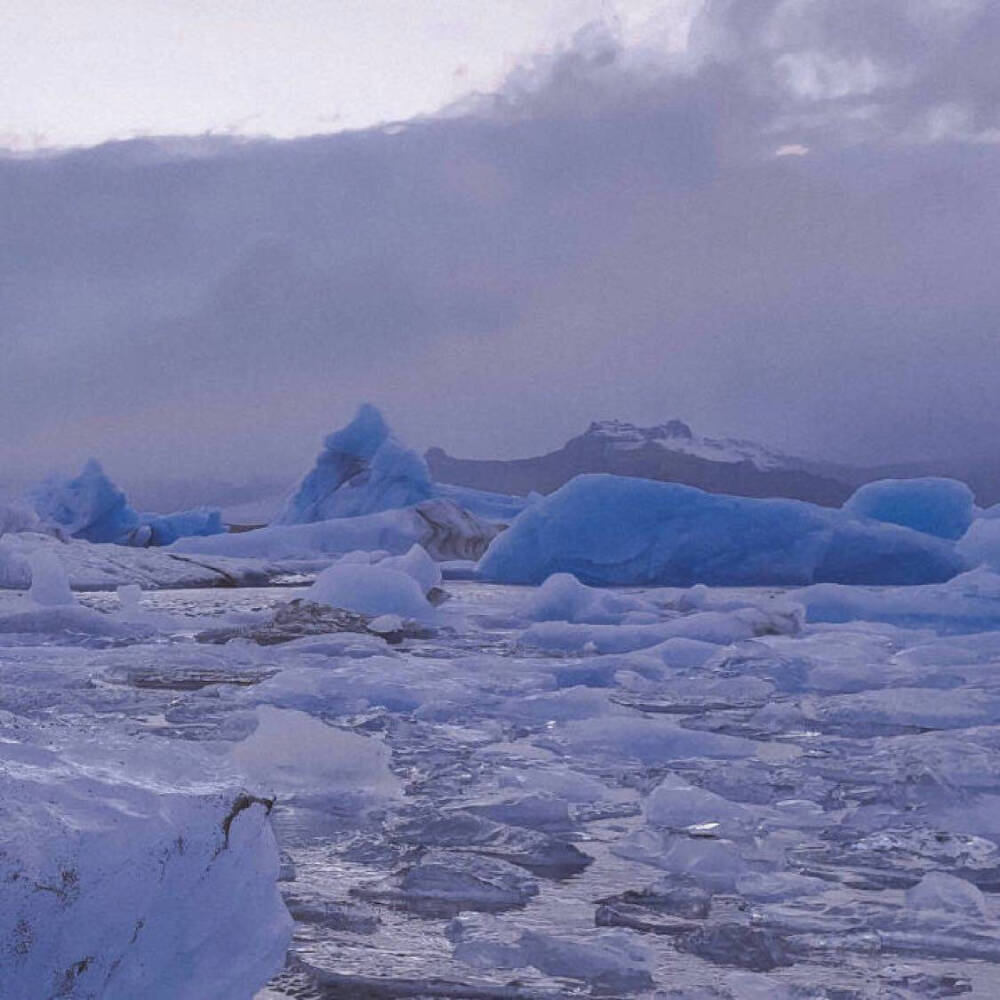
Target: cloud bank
{"type": "Point", "coordinates": [613, 233]}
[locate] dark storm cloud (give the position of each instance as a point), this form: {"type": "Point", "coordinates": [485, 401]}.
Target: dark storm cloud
{"type": "Point", "coordinates": [610, 235]}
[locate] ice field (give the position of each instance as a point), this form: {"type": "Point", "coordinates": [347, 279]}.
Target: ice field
{"type": "Point", "coordinates": [630, 739]}
{"type": "Point", "coordinates": [552, 791]}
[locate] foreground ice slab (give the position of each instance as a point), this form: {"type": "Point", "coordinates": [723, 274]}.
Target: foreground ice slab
{"type": "Point", "coordinates": [127, 871]}
{"type": "Point", "coordinates": [935, 506]}
{"type": "Point", "coordinates": [610, 530]}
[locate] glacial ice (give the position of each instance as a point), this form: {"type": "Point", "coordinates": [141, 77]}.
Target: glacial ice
{"type": "Point", "coordinates": [291, 753]}
{"type": "Point", "coordinates": [130, 869]}
{"type": "Point", "coordinates": [88, 506]}
{"type": "Point", "coordinates": [980, 545]}
{"type": "Point", "coordinates": [438, 526]}
{"type": "Point", "coordinates": [49, 582]}
{"type": "Point", "coordinates": [16, 517]}
{"type": "Point", "coordinates": [676, 804]}
{"type": "Point", "coordinates": [92, 508]}
{"type": "Point", "coordinates": [106, 566]}
{"type": "Point", "coordinates": [372, 590]}
{"type": "Point", "coordinates": [362, 469]}
{"type": "Point", "coordinates": [563, 598]}
{"type": "Point", "coordinates": [684, 793]}
{"type": "Point", "coordinates": [610, 530]}
{"type": "Point", "coordinates": [932, 505]}
{"type": "Point", "coordinates": [164, 529]}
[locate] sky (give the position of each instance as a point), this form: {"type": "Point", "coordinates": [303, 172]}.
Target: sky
{"type": "Point", "coordinates": [81, 73]}
{"type": "Point", "coordinates": [776, 219]}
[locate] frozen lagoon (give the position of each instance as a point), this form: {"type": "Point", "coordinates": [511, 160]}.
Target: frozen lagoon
{"type": "Point", "coordinates": [722, 804]}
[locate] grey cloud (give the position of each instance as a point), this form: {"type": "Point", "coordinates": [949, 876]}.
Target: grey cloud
{"type": "Point", "coordinates": [609, 235]}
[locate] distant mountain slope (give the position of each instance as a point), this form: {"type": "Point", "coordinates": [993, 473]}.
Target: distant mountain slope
{"type": "Point", "coordinates": [669, 452]}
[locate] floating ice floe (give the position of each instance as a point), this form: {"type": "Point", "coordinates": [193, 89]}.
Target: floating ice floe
{"type": "Point", "coordinates": [611, 530]}
{"type": "Point", "coordinates": [92, 566]}
{"type": "Point", "coordinates": [372, 590]}
{"type": "Point", "coordinates": [291, 753]}
{"type": "Point", "coordinates": [968, 602]}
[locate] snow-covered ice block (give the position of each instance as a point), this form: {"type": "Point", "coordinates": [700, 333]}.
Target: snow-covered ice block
{"type": "Point", "coordinates": [18, 516]}
{"type": "Point", "coordinates": [613, 530]}
{"type": "Point", "coordinates": [417, 564]}
{"type": "Point", "coordinates": [362, 469]}
{"type": "Point", "coordinates": [563, 598]}
{"type": "Point", "coordinates": [716, 627]}
{"type": "Point", "coordinates": [372, 590]}
{"type": "Point", "coordinates": [935, 506]}
{"type": "Point", "coordinates": [133, 870]}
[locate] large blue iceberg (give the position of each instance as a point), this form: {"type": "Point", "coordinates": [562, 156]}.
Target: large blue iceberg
{"type": "Point", "coordinates": [362, 469]}
{"type": "Point", "coordinates": [935, 506]}
{"type": "Point", "coordinates": [91, 507]}
{"type": "Point", "coordinates": [611, 530]}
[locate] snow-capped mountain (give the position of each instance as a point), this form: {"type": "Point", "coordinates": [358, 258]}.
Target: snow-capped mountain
{"type": "Point", "coordinates": [677, 436]}
{"type": "Point", "coordinates": [671, 452]}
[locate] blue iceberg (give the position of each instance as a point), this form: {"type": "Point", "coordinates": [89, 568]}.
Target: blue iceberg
{"type": "Point", "coordinates": [91, 507]}
{"type": "Point", "coordinates": [935, 506]}
{"type": "Point", "coordinates": [88, 506]}
{"type": "Point", "coordinates": [617, 531]}
{"type": "Point", "coordinates": [362, 469]}
{"type": "Point", "coordinates": [165, 529]}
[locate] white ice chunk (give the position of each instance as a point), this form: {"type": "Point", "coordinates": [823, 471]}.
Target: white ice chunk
{"type": "Point", "coordinates": [292, 753]}
{"type": "Point", "coordinates": [372, 590]}
{"type": "Point", "coordinates": [676, 804]}
{"type": "Point", "coordinates": [418, 564]}
{"type": "Point", "coordinates": [944, 892]}
{"type": "Point", "coordinates": [49, 582]}
{"type": "Point", "coordinates": [563, 598]}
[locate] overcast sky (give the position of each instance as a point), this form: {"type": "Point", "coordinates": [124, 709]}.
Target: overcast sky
{"type": "Point", "coordinates": [77, 73]}
{"type": "Point", "coordinates": [773, 218]}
